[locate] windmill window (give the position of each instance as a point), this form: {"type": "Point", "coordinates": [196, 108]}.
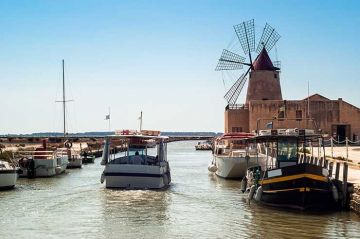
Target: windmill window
{"type": "Point", "coordinates": [275, 76]}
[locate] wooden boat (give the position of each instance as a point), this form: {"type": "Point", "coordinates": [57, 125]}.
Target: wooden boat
{"type": "Point", "coordinates": [288, 180]}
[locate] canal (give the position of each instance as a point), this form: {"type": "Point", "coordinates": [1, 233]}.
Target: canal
{"type": "Point", "coordinates": [197, 205]}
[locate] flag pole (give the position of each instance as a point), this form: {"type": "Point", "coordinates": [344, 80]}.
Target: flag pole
{"type": "Point", "coordinates": [109, 120]}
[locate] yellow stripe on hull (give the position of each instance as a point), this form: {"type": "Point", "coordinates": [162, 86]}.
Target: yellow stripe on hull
{"type": "Point", "coordinates": [302, 189]}
{"type": "Point", "coordinates": [292, 177]}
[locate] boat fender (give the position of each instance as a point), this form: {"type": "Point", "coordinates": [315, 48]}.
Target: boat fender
{"type": "Point", "coordinates": [212, 168]}
{"type": "Point", "coordinates": [251, 193]}
{"type": "Point", "coordinates": [102, 178]}
{"type": "Point", "coordinates": [258, 194]}
{"type": "Point", "coordinates": [243, 184]}
{"type": "Point", "coordinates": [335, 193]}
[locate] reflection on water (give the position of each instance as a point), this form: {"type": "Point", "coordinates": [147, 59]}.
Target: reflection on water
{"type": "Point", "coordinates": [197, 204]}
{"type": "Point", "coordinates": [124, 211]}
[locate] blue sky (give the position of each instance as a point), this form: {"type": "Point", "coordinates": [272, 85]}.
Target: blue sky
{"type": "Point", "coordinates": [159, 57]}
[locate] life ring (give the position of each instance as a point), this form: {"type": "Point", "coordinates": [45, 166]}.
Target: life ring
{"type": "Point", "coordinates": [68, 144]}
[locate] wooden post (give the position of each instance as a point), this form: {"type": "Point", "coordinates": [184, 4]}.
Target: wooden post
{"type": "Point", "coordinates": [337, 170]}
{"type": "Point", "coordinates": [345, 172]}
{"type": "Point", "coordinates": [326, 162]}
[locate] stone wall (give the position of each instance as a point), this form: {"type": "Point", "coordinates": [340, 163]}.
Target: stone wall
{"type": "Point", "coordinates": [355, 199]}
{"type": "Point", "coordinates": [263, 85]}
{"type": "Point", "coordinates": [237, 118]}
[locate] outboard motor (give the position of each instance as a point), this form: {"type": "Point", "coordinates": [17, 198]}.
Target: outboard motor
{"type": "Point", "coordinates": [105, 156]}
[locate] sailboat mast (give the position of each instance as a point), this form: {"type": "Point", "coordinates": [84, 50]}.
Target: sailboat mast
{"type": "Point", "coordinates": [64, 101]}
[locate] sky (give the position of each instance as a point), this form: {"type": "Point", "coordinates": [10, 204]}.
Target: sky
{"type": "Point", "coordinates": [159, 57]}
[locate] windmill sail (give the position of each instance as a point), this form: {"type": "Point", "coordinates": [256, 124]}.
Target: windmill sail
{"type": "Point", "coordinates": [268, 39]}
{"type": "Point", "coordinates": [230, 61]}
{"type": "Point", "coordinates": [246, 34]}
{"type": "Point", "coordinates": [233, 93]}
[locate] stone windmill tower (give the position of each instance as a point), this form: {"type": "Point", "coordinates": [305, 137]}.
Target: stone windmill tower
{"type": "Point", "coordinates": [262, 74]}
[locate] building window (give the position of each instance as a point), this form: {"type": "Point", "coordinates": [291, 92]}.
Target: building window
{"type": "Point", "coordinates": [275, 75]}
{"type": "Point", "coordinates": [298, 115]}
{"type": "Point", "coordinates": [236, 129]}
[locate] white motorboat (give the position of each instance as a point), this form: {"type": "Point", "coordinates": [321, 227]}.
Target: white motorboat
{"type": "Point", "coordinates": [43, 162]}
{"type": "Point", "coordinates": [140, 166]}
{"type": "Point", "coordinates": [8, 175]}
{"type": "Point", "coordinates": [232, 156]}
{"type": "Point", "coordinates": [75, 159]}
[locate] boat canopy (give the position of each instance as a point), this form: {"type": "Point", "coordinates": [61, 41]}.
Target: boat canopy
{"type": "Point", "coordinates": [236, 136]}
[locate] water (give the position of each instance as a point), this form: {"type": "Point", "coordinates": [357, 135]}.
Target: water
{"type": "Point", "coordinates": [197, 205]}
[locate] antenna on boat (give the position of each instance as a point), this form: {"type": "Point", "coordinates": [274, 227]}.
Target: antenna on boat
{"type": "Point", "coordinates": [308, 100]}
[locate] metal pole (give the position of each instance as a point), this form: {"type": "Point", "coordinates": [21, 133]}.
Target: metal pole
{"type": "Point", "coordinates": [140, 121]}
{"type": "Point", "coordinates": [308, 99]}
{"type": "Point", "coordinates": [64, 102]}
{"type": "Point", "coordinates": [109, 119]}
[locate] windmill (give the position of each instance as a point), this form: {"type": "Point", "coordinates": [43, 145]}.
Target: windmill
{"type": "Point", "coordinates": [229, 60]}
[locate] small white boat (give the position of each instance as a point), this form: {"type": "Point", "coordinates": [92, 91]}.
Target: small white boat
{"type": "Point", "coordinates": [8, 175]}
{"type": "Point", "coordinates": [75, 160]}
{"type": "Point", "coordinates": [140, 167]}
{"type": "Point", "coordinates": [43, 162]}
{"type": "Point", "coordinates": [207, 145]}
{"type": "Point", "coordinates": [232, 157]}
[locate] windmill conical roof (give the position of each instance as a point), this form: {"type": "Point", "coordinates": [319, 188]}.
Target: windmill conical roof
{"type": "Point", "coordinates": [263, 62]}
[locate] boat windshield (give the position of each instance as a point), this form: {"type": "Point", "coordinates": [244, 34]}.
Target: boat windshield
{"type": "Point", "coordinates": [287, 150]}
{"type": "Point", "coordinates": [135, 151]}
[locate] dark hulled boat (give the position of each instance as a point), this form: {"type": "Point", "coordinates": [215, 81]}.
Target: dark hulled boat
{"type": "Point", "coordinates": [290, 180]}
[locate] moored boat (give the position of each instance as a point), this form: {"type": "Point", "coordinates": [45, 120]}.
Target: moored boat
{"type": "Point", "coordinates": [75, 159]}
{"type": "Point", "coordinates": [233, 155]}
{"type": "Point", "coordinates": [43, 161]}
{"type": "Point", "coordinates": [207, 145]}
{"type": "Point", "coordinates": [140, 166]}
{"type": "Point", "coordinates": [8, 175]}
{"type": "Point", "coordinates": [288, 180]}
{"type": "Point", "coordinates": [87, 157]}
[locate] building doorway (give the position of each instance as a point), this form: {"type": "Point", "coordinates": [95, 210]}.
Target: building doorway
{"type": "Point", "coordinates": [341, 131]}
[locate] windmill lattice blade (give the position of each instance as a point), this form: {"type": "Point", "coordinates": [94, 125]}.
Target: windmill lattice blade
{"type": "Point", "coordinates": [230, 61]}
{"type": "Point", "coordinates": [268, 39]}
{"type": "Point", "coordinates": [246, 33]}
{"type": "Point", "coordinates": [233, 93]}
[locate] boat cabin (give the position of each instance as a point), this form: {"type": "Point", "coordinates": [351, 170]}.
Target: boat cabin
{"type": "Point", "coordinates": [288, 147]}
{"type": "Point", "coordinates": [136, 149]}
{"type": "Point", "coordinates": [233, 143]}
